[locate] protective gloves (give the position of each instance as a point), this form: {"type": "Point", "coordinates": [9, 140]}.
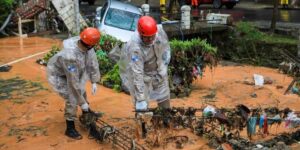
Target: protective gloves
{"type": "Point", "coordinates": [94, 88]}
{"type": "Point", "coordinates": [141, 105]}
{"type": "Point", "coordinates": [166, 57]}
{"type": "Point", "coordinates": [85, 107]}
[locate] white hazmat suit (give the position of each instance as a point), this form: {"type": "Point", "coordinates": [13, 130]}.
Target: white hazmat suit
{"type": "Point", "coordinates": [68, 72]}
{"type": "Point", "coordinates": [144, 68]}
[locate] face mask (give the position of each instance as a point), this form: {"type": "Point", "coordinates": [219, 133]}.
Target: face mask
{"type": "Point", "coordinates": [88, 47]}
{"type": "Point", "coordinates": [148, 40]}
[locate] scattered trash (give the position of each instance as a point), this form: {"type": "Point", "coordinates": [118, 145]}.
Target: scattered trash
{"type": "Point", "coordinates": [27, 131]}
{"type": "Point", "coordinates": [209, 111]}
{"type": "Point", "coordinates": [295, 90]}
{"type": "Point", "coordinates": [53, 145]}
{"type": "Point", "coordinates": [281, 145]}
{"type": "Point", "coordinates": [268, 80]}
{"type": "Point", "coordinates": [211, 95]}
{"type": "Point", "coordinates": [279, 87]}
{"type": "Point", "coordinates": [258, 80]}
{"type": "Point", "coordinates": [253, 95]}
{"type": "Point", "coordinates": [286, 67]}
{"type": "Point", "coordinates": [5, 68]}
{"type": "Point", "coordinates": [41, 62]}
{"type": "Point", "coordinates": [226, 146]}
{"type": "Point", "coordinates": [248, 81]}
{"type": "Point", "coordinates": [259, 146]}
{"type": "Point", "coordinates": [179, 140]}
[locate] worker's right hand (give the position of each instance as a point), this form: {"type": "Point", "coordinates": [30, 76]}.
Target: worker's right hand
{"type": "Point", "coordinates": [85, 107]}
{"type": "Point", "coordinates": [141, 105]}
{"type": "Point", "coordinates": [94, 88]}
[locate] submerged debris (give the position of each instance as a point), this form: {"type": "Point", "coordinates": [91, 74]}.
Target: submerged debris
{"type": "Point", "coordinates": [27, 131]}
{"type": "Point", "coordinates": [17, 88]}
{"type": "Point", "coordinates": [5, 68]}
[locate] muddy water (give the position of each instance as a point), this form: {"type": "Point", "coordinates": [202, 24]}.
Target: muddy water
{"type": "Point", "coordinates": [16, 47]}
{"type": "Point", "coordinates": [45, 109]}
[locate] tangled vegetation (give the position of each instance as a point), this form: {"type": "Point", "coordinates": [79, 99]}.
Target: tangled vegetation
{"type": "Point", "coordinates": [188, 60]}
{"type": "Point", "coordinates": [246, 44]}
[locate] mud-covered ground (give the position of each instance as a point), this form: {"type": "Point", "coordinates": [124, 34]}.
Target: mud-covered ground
{"type": "Point", "coordinates": [35, 121]}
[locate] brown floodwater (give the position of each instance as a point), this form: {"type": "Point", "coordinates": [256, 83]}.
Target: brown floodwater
{"type": "Point", "coordinates": [45, 108]}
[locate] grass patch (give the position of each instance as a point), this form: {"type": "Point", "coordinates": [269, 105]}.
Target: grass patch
{"type": "Point", "coordinates": [248, 32]}
{"type": "Point", "coordinates": [246, 44]}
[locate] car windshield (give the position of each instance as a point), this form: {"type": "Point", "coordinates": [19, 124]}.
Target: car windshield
{"type": "Point", "coordinates": [121, 19]}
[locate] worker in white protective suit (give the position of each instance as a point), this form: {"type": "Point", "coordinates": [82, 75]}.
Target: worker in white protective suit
{"type": "Point", "coordinates": [68, 72]}
{"type": "Point", "coordinates": [144, 65]}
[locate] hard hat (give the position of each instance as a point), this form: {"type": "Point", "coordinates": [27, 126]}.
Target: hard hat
{"type": "Point", "coordinates": [147, 26]}
{"type": "Point", "coordinates": [90, 36]}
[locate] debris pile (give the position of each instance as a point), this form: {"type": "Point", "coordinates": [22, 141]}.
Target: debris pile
{"type": "Point", "coordinates": [103, 132]}
{"type": "Point", "coordinates": [224, 125]}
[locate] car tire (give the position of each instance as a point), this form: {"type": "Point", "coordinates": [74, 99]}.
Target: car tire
{"type": "Point", "coordinates": [217, 4]}
{"type": "Point", "coordinates": [230, 5]}
{"type": "Point", "coordinates": [91, 2]}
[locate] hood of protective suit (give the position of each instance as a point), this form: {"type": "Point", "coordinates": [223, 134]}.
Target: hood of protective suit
{"type": "Point", "coordinates": [71, 43]}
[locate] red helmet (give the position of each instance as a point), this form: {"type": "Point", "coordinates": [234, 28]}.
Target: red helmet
{"type": "Point", "coordinates": [147, 26]}
{"type": "Point", "coordinates": [90, 36]}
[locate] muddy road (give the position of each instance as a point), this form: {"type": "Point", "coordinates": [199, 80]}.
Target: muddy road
{"type": "Point", "coordinates": [36, 121]}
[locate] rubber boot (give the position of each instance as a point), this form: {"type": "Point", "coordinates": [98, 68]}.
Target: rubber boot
{"type": "Point", "coordinates": [71, 131]}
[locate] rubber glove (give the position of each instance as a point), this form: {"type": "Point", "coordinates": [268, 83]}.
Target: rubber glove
{"type": "Point", "coordinates": [141, 105]}
{"type": "Point", "coordinates": [85, 107]}
{"type": "Point", "coordinates": [94, 88]}
{"type": "Point", "coordinates": [166, 57]}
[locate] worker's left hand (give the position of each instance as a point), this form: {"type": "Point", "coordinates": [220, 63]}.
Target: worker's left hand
{"type": "Point", "coordinates": [166, 57]}
{"type": "Point", "coordinates": [94, 88]}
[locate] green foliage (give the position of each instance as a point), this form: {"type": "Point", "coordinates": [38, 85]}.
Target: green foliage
{"type": "Point", "coordinates": [112, 79]}
{"type": "Point", "coordinates": [106, 44]}
{"type": "Point", "coordinates": [55, 49]}
{"type": "Point", "coordinates": [105, 64]}
{"type": "Point", "coordinates": [189, 58]}
{"type": "Point", "coordinates": [248, 32]}
{"type": "Point", "coordinates": [6, 6]}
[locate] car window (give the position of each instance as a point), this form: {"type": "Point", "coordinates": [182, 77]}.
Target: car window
{"type": "Point", "coordinates": [121, 19]}
{"type": "Point", "coordinates": [103, 11]}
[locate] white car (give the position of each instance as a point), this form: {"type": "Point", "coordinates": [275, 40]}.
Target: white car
{"type": "Point", "coordinates": [118, 19]}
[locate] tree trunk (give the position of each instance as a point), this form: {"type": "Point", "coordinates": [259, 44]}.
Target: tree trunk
{"type": "Point", "coordinates": [274, 17]}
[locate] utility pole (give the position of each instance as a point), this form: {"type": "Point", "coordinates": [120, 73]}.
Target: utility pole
{"type": "Point", "coordinates": [77, 20]}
